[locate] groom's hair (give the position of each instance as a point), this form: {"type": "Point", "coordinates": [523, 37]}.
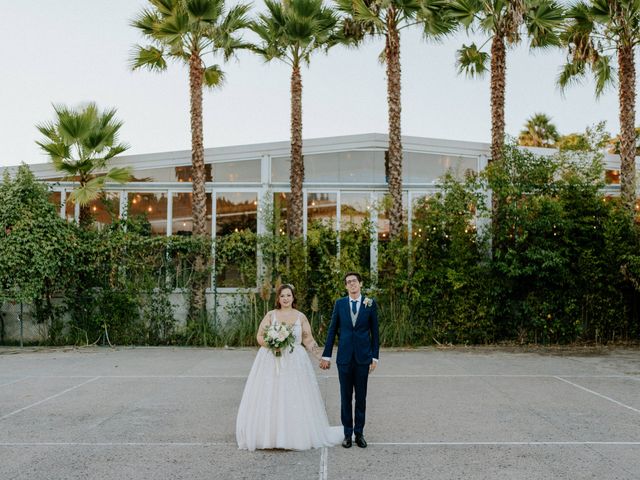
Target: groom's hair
{"type": "Point", "coordinates": [352, 274]}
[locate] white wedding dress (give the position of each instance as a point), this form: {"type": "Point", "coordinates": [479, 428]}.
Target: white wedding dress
{"type": "Point", "coordinates": [281, 406]}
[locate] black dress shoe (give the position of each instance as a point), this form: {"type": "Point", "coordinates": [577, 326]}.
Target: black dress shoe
{"type": "Point", "coordinates": [346, 443]}
{"type": "Point", "coordinates": [360, 441]}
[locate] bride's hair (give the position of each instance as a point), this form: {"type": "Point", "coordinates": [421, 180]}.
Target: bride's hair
{"type": "Point", "coordinates": [279, 290]}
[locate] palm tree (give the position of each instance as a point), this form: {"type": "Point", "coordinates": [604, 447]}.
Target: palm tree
{"type": "Point", "coordinates": [615, 142]}
{"type": "Point", "coordinates": [595, 30]}
{"type": "Point", "coordinates": [539, 132]}
{"type": "Point", "coordinates": [505, 22]}
{"type": "Point", "coordinates": [187, 31]}
{"type": "Point", "coordinates": [291, 31]}
{"type": "Point", "coordinates": [386, 19]}
{"type": "Point", "coordinates": [80, 143]}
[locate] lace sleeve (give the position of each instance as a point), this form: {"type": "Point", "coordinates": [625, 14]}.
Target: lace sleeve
{"type": "Point", "coordinates": [309, 342]}
{"type": "Point", "coordinates": [314, 350]}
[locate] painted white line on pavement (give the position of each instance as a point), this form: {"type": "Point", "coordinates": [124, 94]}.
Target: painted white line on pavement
{"type": "Point", "coordinates": [324, 454]}
{"type": "Point", "coordinates": [501, 444]}
{"type": "Point", "coordinates": [117, 444]}
{"type": "Point", "coordinates": [48, 398]}
{"type": "Point", "coordinates": [435, 375]}
{"type": "Point", "coordinates": [599, 394]}
{"type": "Point", "coordinates": [14, 381]}
{"type": "Point", "coordinates": [323, 464]}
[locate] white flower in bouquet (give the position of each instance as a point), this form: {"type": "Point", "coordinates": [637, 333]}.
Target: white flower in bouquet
{"type": "Point", "coordinates": [278, 337]}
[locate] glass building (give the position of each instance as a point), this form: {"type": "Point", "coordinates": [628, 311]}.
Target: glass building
{"type": "Point", "coordinates": [345, 179]}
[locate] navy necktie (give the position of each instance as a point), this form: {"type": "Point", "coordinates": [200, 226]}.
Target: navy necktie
{"type": "Point", "coordinates": [354, 306]}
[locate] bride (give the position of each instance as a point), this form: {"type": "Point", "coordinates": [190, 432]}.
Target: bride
{"type": "Point", "coordinates": [281, 406]}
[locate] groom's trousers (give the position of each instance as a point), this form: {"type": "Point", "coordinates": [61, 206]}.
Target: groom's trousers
{"type": "Point", "coordinates": [353, 378]}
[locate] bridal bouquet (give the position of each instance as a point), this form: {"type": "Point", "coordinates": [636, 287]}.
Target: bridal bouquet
{"type": "Point", "coordinates": [278, 337]}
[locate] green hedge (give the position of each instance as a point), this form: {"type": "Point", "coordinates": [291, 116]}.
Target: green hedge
{"type": "Point", "coordinates": [558, 264]}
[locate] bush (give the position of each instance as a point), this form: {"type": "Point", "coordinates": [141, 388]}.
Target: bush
{"type": "Point", "coordinates": [558, 264]}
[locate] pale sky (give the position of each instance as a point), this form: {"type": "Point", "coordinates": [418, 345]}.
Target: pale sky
{"type": "Point", "coordinates": [75, 51]}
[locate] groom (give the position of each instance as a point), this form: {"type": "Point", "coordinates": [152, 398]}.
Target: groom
{"type": "Point", "coordinates": [355, 320]}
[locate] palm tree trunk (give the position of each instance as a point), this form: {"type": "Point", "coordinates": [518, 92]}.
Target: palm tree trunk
{"type": "Point", "coordinates": [392, 51]}
{"type": "Point", "coordinates": [85, 219]}
{"type": "Point", "coordinates": [199, 207]}
{"type": "Point", "coordinates": [196, 75]}
{"type": "Point", "coordinates": [498, 82]}
{"type": "Point", "coordinates": [627, 98]}
{"type": "Point", "coordinates": [294, 212]}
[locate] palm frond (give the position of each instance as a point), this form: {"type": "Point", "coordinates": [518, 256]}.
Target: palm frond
{"type": "Point", "coordinates": [172, 29]}
{"type": "Point", "coordinates": [464, 11]}
{"type": "Point", "coordinates": [115, 150]}
{"type": "Point", "coordinates": [151, 58]}
{"type": "Point", "coordinates": [436, 18]}
{"type": "Point", "coordinates": [165, 7]}
{"type": "Point", "coordinates": [119, 174]}
{"type": "Point", "coordinates": [214, 76]}
{"type": "Point", "coordinates": [146, 22]}
{"type": "Point", "coordinates": [88, 192]}
{"type": "Point", "coordinates": [571, 73]}
{"type": "Point", "coordinates": [205, 10]}
{"type": "Point", "coordinates": [543, 24]}
{"type": "Point", "coordinates": [604, 74]}
{"type": "Point", "coordinates": [472, 61]}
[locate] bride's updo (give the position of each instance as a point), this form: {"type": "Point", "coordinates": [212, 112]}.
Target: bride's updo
{"type": "Point", "coordinates": [285, 286]}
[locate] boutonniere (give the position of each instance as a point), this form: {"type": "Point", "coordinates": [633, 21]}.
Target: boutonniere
{"type": "Point", "coordinates": [367, 302]}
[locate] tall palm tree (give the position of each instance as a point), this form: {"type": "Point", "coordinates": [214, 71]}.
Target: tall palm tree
{"type": "Point", "coordinates": [188, 31]}
{"type": "Point", "coordinates": [594, 32]}
{"type": "Point", "coordinates": [291, 31]}
{"type": "Point", "coordinates": [81, 142]}
{"type": "Point", "coordinates": [387, 19]}
{"type": "Point", "coordinates": [505, 23]}
{"type": "Point", "coordinates": [539, 132]}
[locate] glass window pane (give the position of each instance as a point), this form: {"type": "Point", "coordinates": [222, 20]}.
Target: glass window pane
{"type": "Point", "coordinates": [56, 199]}
{"type": "Point", "coordinates": [153, 206]}
{"type": "Point", "coordinates": [241, 171]}
{"type": "Point", "coordinates": [182, 214]}
{"type": "Point", "coordinates": [69, 208]}
{"type": "Point", "coordinates": [429, 167]}
{"type": "Point", "coordinates": [236, 211]}
{"type": "Point", "coordinates": [238, 171]}
{"type": "Point", "coordinates": [417, 209]}
{"type": "Point", "coordinates": [321, 207]}
{"type": "Point", "coordinates": [106, 208]}
{"type": "Point", "coordinates": [383, 214]}
{"type": "Point", "coordinates": [340, 167]}
{"type": "Point", "coordinates": [354, 209]}
{"type": "Point", "coordinates": [612, 177]}
{"type": "Point", "coordinates": [280, 169]}
{"type": "Point", "coordinates": [280, 204]}
{"type": "Point", "coordinates": [168, 174]}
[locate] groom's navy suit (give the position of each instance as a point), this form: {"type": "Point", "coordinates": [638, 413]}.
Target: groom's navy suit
{"type": "Point", "coordinates": [358, 345]}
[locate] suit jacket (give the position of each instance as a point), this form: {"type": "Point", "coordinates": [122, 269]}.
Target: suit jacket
{"type": "Point", "coordinates": [360, 341]}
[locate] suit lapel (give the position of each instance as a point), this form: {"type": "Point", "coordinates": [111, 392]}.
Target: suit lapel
{"type": "Point", "coordinates": [362, 307]}
{"type": "Point", "coordinates": [347, 311]}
